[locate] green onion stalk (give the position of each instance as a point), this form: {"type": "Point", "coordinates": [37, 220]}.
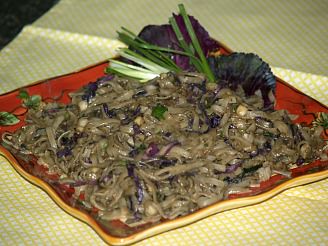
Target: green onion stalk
{"type": "Point", "coordinates": [147, 61]}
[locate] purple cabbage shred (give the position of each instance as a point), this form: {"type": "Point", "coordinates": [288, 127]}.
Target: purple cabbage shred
{"type": "Point", "coordinates": [108, 112]}
{"type": "Point", "coordinates": [152, 150]}
{"type": "Point", "coordinates": [232, 168]}
{"type": "Point", "coordinates": [214, 120]}
{"type": "Point", "coordinates": [131, 173]}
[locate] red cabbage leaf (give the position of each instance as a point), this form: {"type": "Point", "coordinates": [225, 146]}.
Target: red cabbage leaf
{"type": "Point", "coordinates": [246, 70]}
{"type": "Point", "coordinates": [164, 36]}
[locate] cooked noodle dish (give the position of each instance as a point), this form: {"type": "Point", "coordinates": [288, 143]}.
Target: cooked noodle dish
{"type": "Point", "coordinates": [172, 127]}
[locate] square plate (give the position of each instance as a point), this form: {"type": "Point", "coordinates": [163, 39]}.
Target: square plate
{"type": "Point", "coordinates": [115, 232]}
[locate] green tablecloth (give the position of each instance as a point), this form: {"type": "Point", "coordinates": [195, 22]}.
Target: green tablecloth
{"type": "Point", "coordinates": [290, 35]}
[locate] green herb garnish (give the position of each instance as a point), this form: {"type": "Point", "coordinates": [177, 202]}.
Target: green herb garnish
{"type": "Point", "coordinates": [158, 111]}
{"type": "Point", "coordinates": [188, 49]}
{"type": "Point", "coordinates": [152, 60]}
{"type": "Point", "coordinates": [32, 102]}
{"type": "Point", "coordinates": [321, 120]}
{"type": "Point", "coordinates": [149, 53]}
{"type": "Point", "coordinates": [132, 71]}
{"type": "Point", "coordinates": [142, 147]}
{"type": "Point", "coordinates": [8, 119]}
{"type": "Point", "coordinates": [205, 68]}
{"type": "Point", "coordinates": [23, 94]}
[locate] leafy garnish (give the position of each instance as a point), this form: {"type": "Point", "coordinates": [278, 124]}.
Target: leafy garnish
{"type": "Point", "coordinates": [23, 94]}
{"type": "Point", "coordinates": [137, 72]}
{"type": "Point", "coordinates": [158, 111]}
{"type": "Point", "coordinates": [146, 61]}
{"type": "Point", "coordinates": [321, 120]}
{"type": "Point", "coordinates": [32, 102]}
{"type": "Point", "coordinates": [188, 49]}
{"type": "Point", "coordinates": [195, 44]}
{"type": "Point", "coordinates": [165, 36]}
{"type": "Point", "coordinates": [149, 59]}
{"type": "Point", "coordinates": [153, 53]}
{"type": "Point", "coordinates": [8, 119]}
{"type": "Point", "coordinates": [142, 147]}
{"type": "Point", "coordinates": [247, 70]}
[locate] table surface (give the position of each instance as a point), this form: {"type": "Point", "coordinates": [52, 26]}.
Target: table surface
{"type": "Point", "coordinates": [290, 35]}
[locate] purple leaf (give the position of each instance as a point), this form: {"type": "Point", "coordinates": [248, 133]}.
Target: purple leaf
{"type": "Point", "coordinates": [246, 70]}
{"type": "Point", "coordinates": [164, 36]}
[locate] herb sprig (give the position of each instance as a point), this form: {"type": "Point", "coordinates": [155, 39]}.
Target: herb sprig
{"type": "Point", "coordinates": [200, 63]}
{"type": "Point", "coordinates": [8, 119]}
{"type": "Point", "coordinates": [158, 111]}
{"type": "Point", "coordinates": [149, 60]}
{"type": "Point", "coordinates": [32, 102]}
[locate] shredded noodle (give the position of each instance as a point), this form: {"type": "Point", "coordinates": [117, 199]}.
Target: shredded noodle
{"type": "Point", "coordinates": [142, 153]}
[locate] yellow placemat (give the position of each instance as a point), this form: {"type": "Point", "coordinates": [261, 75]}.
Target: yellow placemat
{"type": "Point", "coordinates": [286, 33]}
{"type": "Point", "coordinates": [40, 53]}
{"type": "Point", "coordinates": [78, 33]}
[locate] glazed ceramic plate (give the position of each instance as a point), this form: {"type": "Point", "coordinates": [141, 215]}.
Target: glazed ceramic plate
{"type": "Point", "coordinates": [115, 232]}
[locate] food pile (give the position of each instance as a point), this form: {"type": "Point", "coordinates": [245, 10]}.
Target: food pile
{"type": "Point", "coordinates": [183, 140]}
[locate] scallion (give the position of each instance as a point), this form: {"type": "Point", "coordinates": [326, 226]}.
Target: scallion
{"type": "Point", "coordinates": [152, 60]}
{"type": "Point", "coordinates": [205, 67]}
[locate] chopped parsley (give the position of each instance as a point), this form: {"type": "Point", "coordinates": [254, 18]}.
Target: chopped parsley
{"type": "Point", "coordinates": [141, 147]}
{"type": "Point", "coordinates": [158, 111]}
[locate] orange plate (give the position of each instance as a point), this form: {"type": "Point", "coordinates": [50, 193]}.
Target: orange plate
{"type": "Point", "coordinates": [115, 232]}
